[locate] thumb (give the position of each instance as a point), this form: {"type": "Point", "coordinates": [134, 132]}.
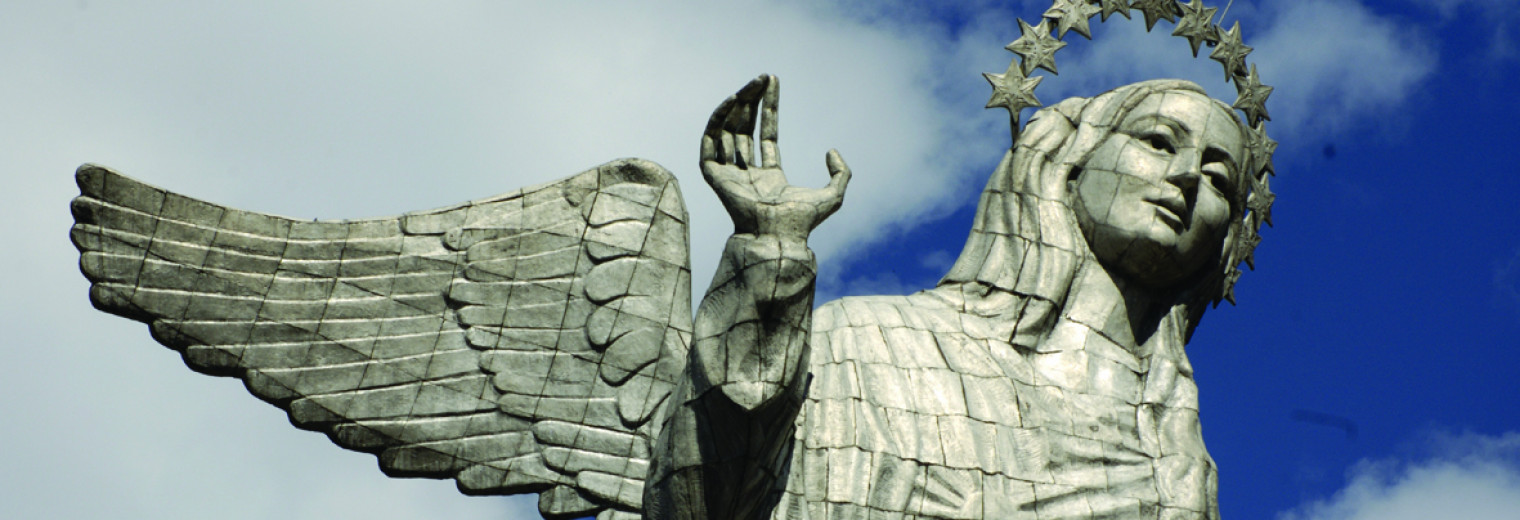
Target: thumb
{"type": "Point", "coordinates": [839, 173]}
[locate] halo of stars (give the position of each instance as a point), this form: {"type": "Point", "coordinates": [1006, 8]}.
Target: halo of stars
{"type": "Point", "coordinates": [1036, 48]}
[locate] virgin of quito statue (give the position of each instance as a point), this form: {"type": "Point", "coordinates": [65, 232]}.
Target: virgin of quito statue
{"type": "Point", "coordinates": [543, 340]}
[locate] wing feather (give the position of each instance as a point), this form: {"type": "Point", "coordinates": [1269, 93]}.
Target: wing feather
{"type": "Point", "coordinates": [520, 343]}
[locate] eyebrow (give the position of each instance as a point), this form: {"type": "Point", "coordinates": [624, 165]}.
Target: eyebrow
{"type": "Point", "coordinates": [1178, 126]}
{"type": "Point", "coordinates": [1165, 120]}
{"type": "Point", "coordinates": [1229, 158]}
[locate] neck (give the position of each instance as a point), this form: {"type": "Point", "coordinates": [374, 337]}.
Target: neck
{"type": "Point", "coordinates": [1119, 309]}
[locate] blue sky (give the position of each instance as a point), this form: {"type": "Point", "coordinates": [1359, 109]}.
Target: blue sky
{"type": "Point", "coordinates": [1387, 296]}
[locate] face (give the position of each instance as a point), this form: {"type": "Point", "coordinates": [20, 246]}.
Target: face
{"type": "Point", "coordinates": [1153, 199]}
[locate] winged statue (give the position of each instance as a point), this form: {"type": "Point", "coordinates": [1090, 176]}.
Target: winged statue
{"type": "Point", "coordinates": [519, 343]}
{"type": "Point", "coordinates": [543, 340]}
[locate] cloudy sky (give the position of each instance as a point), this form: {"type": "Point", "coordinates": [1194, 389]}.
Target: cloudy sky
{"type": "Point", "coordinates": [1369, 371]}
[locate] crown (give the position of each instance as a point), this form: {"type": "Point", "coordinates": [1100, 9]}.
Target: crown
{"type": "Point", "coordinates": [1037, 46]}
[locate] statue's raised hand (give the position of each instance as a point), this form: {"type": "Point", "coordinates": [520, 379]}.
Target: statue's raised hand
{"type": "Point", "coordinates": [757, 196]}
{"type": "Point", "coordinates": [752, 328]}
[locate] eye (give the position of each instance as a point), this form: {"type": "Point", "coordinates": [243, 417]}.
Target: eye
{"type": "Point", "coordinates": [1219, 177]}
{"type": "Point", "coordinates": [1158, 141]}
{"type": "Point", "coordinates": [1219, 168]}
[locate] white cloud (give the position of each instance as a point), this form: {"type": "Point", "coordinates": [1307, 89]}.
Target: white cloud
{"type": "Point", "coordinates": [1468, 476]}
{"type": "Point", "coordinates": [1336, 62]}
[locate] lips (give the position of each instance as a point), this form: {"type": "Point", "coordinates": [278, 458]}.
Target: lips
{"type": "Point", "coordinates": [1170, 209]}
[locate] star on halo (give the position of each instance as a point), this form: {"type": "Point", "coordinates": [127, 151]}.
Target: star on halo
{"type": "Point", "coordinates": [1253, 96]}
{"type": "Point", "coordinates": [1114, 7]}
{"type": "Point", "coordinates": [1155, 10]}
{"type": "Point", "coordinates": [1012, 90]}
{"type": "Point", "coordinates": [1231, 52]}
{"type": "Point", "coordinates": [1036, 46]}
{"type": "Point", "coordinates": [1197, 25]}
{"type": "Point", "coordinates": [1072, 15]}
{"type": "Point", "coordinates": [1231, 276]}
{"type": "Point", "coordinates": [1245, 248]}
{"type": "Point", "coordinates": [1262, 147]}
{"type": "Point", "coordinates": [1261, 199]}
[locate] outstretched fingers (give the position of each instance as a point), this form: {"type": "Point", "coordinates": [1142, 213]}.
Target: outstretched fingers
{"type": "Point", "coordinates": [740, 125]}
{"type": "Point", "coordinates": [712, 137]}
{"type": "Point", "coordinates": [770, 105]}
{"type": "Point", "coordinates": [757, 194]}
{"type": "Point", "coordinates": [718, 143]}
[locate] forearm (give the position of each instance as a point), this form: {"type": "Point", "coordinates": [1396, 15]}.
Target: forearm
{"type": "Point", "coordinates": [723, 447]}
{"type": "Point", "coordinates": [753, 324]}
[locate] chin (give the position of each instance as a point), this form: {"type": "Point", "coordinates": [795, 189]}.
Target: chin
{"type": "Point", "coordinates": [1157, 261]}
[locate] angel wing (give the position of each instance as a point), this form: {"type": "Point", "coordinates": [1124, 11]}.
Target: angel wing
{"type": "Point", "coordinates": [520, 343]}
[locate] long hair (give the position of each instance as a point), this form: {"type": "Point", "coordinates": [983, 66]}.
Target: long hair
{"type": "Point", "coordinates": [1026, 245]}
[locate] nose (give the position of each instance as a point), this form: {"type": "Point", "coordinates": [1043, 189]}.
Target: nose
{"type": "Point", "coordinates": [1185, 171]}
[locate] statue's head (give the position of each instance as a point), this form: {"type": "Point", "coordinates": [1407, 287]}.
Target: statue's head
{"type": "Point", "coordinates": [1155, 197]}
{"type": "Point", "coordinates": [1151, 180]}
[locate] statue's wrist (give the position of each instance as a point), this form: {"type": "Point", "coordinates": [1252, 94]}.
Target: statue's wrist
{"type": "Point", "coordinates": [762, 245]}
{"type": "Point", "coordinates": [787, 230]}
{"type": "Point", "coordinates": [784, 219]}
{"type": "Point", "coordinates": [773, 268]}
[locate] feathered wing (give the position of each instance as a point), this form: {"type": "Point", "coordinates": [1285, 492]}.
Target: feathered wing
{"type": "Point", "coordinates": [520, 343]}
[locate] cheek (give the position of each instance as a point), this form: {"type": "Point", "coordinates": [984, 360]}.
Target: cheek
{"type": "Point", "coordinates": [1095, 192]}
{"type": "Point", "coordinates": [1211, 214]}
